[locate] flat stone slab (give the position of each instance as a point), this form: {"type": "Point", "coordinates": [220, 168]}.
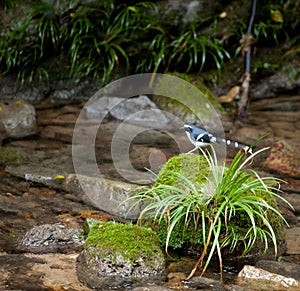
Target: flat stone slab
{"type": "Point", "coordinates": [107, 195]}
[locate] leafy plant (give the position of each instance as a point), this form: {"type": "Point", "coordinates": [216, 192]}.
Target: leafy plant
{"type": "Point", "coordinates": [194, 49]}
{"type": "Point", "coordinates": [28, 43]}
{"type": "Point", "coordinates": [95, 38]}
{"type": "Point", "coordinates": [233, 207]}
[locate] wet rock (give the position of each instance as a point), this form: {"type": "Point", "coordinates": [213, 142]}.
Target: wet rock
{"type": "Point", "coordinates": [203, 283]}
{"type": "Point", "coordinates": [58, 271]}
{"type": "Point", "coordinates": [285, 269]}
{"type": "Point", "coordinates": [38, 173]}
{"type": "Point", "coordinates": [287, 213]}
{"type": "Point", "coordinates": [283, 81]}
{"type": "Point", "coordinates": [118, 254]}
{"type": "Point", "coordinates": [135, 110]}
{"type": "Point", "coordinates": [17, 119]}
{"type": "Point", "coordinates": [151, 288]}
{"type": "Point", "coordinates": [12, 90]}
{"type": "Point", "coordinates": [287, 104]}
{"type": "Point", "coordinates": [294, 199]}
{"type": "Point", "coordinates": [105, 194]}
{"type": "Point", "coordinates": [175, 280]}
{"type": "Point", "coordinates": [49, 238]}
{"type": "Point", "coordinates": [179, 13]}
{"type": "Point", "coordinates": [256, 274]}
{"type": "Point", "coordinates": [293, 241]}
{"type": "Point", "coordinates": [39, 272]}
{"type": "Point", "coordinates": [15, 271]}
{"type": "Point", "coordinates": [283, 158]}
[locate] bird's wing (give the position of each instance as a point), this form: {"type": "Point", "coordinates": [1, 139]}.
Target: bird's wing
{"type": "Point", "coordinates": [203, 137]}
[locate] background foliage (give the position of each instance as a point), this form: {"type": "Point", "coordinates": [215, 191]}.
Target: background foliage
{"type": "Point", "coordinates": [98, 38]}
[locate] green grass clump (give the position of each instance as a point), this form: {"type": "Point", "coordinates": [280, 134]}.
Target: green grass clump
{"type": "Point", "coordinates": [232, 206]}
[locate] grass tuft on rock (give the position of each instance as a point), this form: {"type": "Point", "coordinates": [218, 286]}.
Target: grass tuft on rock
{"type": "Point", "coordinates": [202, 203]}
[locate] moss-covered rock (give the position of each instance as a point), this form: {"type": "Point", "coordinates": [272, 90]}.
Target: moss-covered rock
{"type": "Point", "coordinates": [194, 167]}
{"type": "Point", "coordinates": [116, 253]}
{"type": "Point", "coordinates": [11, 156]}
{"type": "Point", "coordinates": [188, 97]}
{"type": "Point", "coordinates": [198, 84]}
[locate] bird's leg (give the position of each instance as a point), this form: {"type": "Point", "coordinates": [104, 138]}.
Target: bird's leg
{"type": "Point", "coordinates": [192, 150]}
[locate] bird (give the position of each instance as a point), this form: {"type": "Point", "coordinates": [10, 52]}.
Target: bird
{"type": "Point", "coordinates": [201, 138]}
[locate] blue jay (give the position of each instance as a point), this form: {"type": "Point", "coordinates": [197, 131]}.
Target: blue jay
{"type": "Point", "coordinates": [201, 138]}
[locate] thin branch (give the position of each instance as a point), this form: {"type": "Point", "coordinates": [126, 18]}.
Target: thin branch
{"type": "Point", "coordinates": [246, 42]}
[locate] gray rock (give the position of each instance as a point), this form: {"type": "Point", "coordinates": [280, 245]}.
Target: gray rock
{"type": "Point", "coordinates": [205, 283]}
{"type": "Point", "coordinates": [139, 110]}
{"type": "Point", "coordinates": [285, 269]}
{"type": "Point", "coordinates": [251, 272]}
{"type": "Point", "coordinates": [293, 241]}
{"type": "Point", "coordinates": [103, 193]}
{"type": "Point", "coordinates": [283, 80]}
{"type": "Point", "coordinates": [119, 254]}
{"type": "Point", "coordinates": [48, 238]}
{"type": "Point", "coordinates": [135, 110]}
{"type": "Point", "coordinates": [294, 199]}
{"type": "Point", "coordinates": [180, 13]}
{"type": "Point", "coordinates": [100, 107]}
{"type": "Point", "coordinates": [17, 119]}
{"type": "Point", "coordinates": [151, 288]}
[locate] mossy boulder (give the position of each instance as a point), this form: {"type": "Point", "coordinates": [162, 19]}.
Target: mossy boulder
{"type": "Point", "coordinates": [192, 166]}
{"type": "Point", "coordinates": [196, 169]}
{"type": "Point", "coordinates": [116, 254]}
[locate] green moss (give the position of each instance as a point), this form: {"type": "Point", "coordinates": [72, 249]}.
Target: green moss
{"type": "Point", "coordinates": [10, 156]}
{"type": "Point", "coordinates": [194, 167]}
{"type": "Point", "coordinates": [181, 237]}
{"type": "Point", "coordinates": [198, 84]}
{"type": "Point", "coordinates": [130, 240]}
{"type": "Point", "coordinates": [88, 224]}
{"type": "Point", "coordinates": [192, 97]}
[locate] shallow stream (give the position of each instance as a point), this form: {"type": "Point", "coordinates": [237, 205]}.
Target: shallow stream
{"type": "Point", "coordinates": [28, 203]}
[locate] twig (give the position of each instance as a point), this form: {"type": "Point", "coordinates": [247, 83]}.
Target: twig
{"type": "Point", "coordinates": [246, 43]}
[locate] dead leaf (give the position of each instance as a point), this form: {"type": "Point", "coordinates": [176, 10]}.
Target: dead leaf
{"type": "Point", "coordinates": [231, 95]}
